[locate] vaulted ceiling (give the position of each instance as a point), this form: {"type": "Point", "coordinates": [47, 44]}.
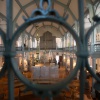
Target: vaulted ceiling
{"type": "Point", "coordinates": [25, 7]}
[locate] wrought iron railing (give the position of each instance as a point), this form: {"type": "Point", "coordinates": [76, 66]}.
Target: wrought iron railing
{"type": "Point", "coordinates": [82, 54]}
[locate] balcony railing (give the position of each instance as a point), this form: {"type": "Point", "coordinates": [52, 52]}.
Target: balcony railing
{"type": "Point", "coordinates": [97, 48]}
{"type": "Point", "coordinates": [91, 48]}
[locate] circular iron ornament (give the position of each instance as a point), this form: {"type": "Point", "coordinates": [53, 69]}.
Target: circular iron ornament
{"type": "Point", "coordinates": [40, 15]}
{"type": "Point", "coordinates": [3, 36]}
{"type": "Point", "coordinates": [87, 36]}
{"type": "Point", "coordinates": [61, 84]}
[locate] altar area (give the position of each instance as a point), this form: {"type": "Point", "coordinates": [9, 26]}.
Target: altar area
{"type": "Point", "coordinates": [46, 73]}
{"type": "Point", "coordinates": [45, 66]}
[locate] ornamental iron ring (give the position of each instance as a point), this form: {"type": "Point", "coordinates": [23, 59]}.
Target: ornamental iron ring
{"type": "Point", "coordinates": [48, 14]}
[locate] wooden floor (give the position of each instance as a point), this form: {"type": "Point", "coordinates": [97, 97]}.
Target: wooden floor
{"type": "Point", "coordinates": [31, 97]}
{"type": "Point", "coordinates": [62, 75]}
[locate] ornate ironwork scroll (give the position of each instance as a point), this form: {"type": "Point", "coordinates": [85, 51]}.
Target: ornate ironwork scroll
{"type": "Point", "coordinates": [48, 14]}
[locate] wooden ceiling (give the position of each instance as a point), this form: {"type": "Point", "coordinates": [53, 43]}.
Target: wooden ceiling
{"type": "Point", "coordinates": [25, 8]}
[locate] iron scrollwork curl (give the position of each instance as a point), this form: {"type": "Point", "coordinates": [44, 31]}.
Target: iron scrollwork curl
{"type": "Point", "coordinates": [40, 15]}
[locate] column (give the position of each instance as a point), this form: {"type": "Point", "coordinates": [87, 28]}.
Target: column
{"type": "Point", "coordinates": [28, 43]}
{"type": "Point", "coordinates": [98, 64]}
{"type": "Point", "coordinates": [33, 64]}
{"type": "Point", "coordinates": [23, 50]}
{"type": "Point", "coordinates": [71, 42]}
{"type": "Point", "coordinates": [71, 64]}
{"type": "Point", "coordinates": [77, 27]}
{"type": "Point", "coordinates": [91, 14]}
{"type": "Point", "coordinates": [93, 80]}
{"type": "Point", "coordinates": [37, 51]}
{"type": "Point", "coordinates": [66, 40]}
{"type": "Point", "coordinates": [1, 62]}
{"type": "Point", "coordinates": [63, 42]}
{"type": "Point", "coordinates": [32, 42]}
{"type": "Point", "coordinates": [77, 30]}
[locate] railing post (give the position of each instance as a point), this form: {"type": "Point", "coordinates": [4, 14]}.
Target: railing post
{"type": "Point", "coordinates": [82, 38]}
{"type": "Point", "coordinates": [9, 10]}
{"type": "Point", "coordinates": [93, 80]}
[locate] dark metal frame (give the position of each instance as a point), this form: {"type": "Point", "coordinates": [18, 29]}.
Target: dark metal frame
{"type": "Point", "coordinates": [40, 15]}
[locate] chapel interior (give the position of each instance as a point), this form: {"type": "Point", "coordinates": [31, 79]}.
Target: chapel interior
{"type": "Point", "coordinates": [45, 52]}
